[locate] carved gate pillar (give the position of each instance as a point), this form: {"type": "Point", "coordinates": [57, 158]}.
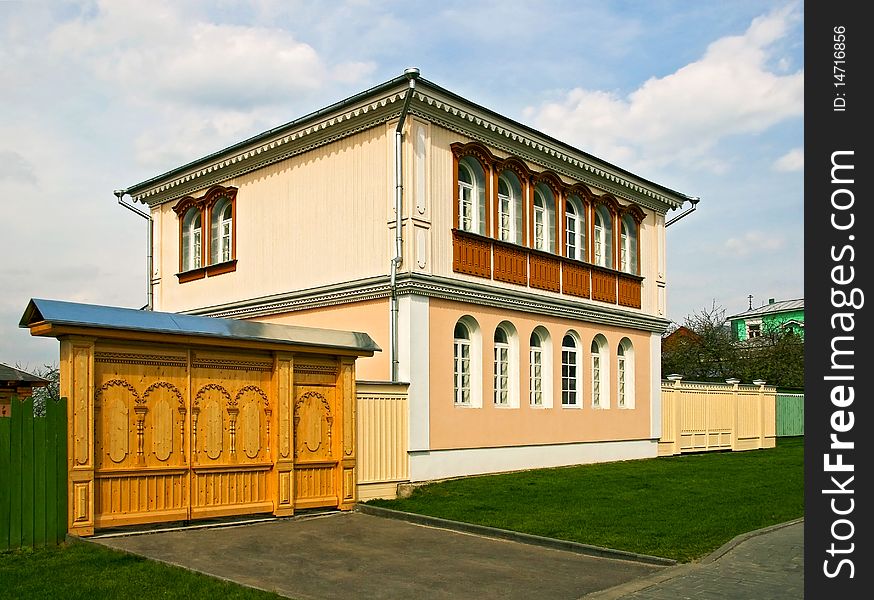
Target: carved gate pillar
{"type": "Point", "coordinates": [77, 384]}
{"type": "Point", "coordinates": [348, 485]}
{"type": "Point", "coordinates": [283, 476]}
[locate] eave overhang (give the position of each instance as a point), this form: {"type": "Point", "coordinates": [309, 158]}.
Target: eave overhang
{"type": "Point", "coordinates": [383, 103]}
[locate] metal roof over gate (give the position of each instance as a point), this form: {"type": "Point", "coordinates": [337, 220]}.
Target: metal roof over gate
{"type": "Point", "coordinates": [74, 314]}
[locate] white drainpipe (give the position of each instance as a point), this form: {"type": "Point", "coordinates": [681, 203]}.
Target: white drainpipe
{"type": "Point", "coordinates": [412, 74]}
{"type": "Point", "coordinates": [149, 261]}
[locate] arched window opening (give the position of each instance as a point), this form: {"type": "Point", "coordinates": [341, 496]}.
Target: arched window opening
{"type": "Point", "coordinates": [570, 383]}
{"type": "Point", "coordinates": [625, 374]}
{"type": "Point", "coordinates": [509, 208]}
{"type": "Point", "coordinates": [222, 227]}
{"type": "Point", "coordinates": [575, 229]}
{"type": "Point", "coordinates": [544, 219]}
{"type": "Point", "coordinates": [600, 370]}
{"type": "Point", "coordinates": [462, 361]}
{"type": "Point", "coordinates": [502, 367]}
{"type": "Point", "coordinates": [471, 196]}
{"type": "Point", "coordinates": [535, 376]}
{"type": "Point", "coordinates": [603, 238]}
{"type": "Point", "coordinates": [628, 245]}
{"type": "Point", "coordinates": [192, 239]}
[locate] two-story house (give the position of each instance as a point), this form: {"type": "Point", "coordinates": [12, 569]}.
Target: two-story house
{"type": "Point", "coordinates": [773, 317]}
{"type": "Point", "coordinates": [516, 282]}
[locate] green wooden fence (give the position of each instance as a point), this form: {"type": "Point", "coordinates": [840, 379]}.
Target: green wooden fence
{"type": "Point", "coordinates": [33, 475]}
{"type": "Point", "coordinates": [790, 414]}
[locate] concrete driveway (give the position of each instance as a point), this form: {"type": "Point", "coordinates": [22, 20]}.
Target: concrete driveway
{"type": "Point", "coordinates": [353, 555]}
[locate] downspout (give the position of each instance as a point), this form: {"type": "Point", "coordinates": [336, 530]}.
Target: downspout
{"type": "Point", "coordinates": [149, 262]}
{"type": "Point", "coordinates": [412, 74]}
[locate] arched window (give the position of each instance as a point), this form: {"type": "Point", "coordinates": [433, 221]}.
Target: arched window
{"type": "Point", "coordinates": [502, 367]}
{"type": "Point", "coordinates": [471, 196]}
{"type": "Point", "coordinates": [628, 245]}
{"type": "Point", "coordinates": [509, 208]}
{"type": "Point", "coordinates": [221, 231]}
{"type": "Point", "coordinates": [625, 374]}
{"type": "Point", "coordinates": [540, 368]}
{"type": "Point", "coordinates": [570, 371]}
{"type": "Point", "coordinates": [192, 239]}
{"type": "Point", "coordinates": [603, 240]}
{"type": "Point", "coordinates": [467, 363]}
{"type": "Point", "coordinates": [575, 228]}
{"type": "Point", "coordinates": [544, 218]}
{"type": "Point", "coordinates": [462, 375]}
{"type": "Point", "coordinates": [535, 376]}
{"type": "Point", "coordinates": [600, 373]}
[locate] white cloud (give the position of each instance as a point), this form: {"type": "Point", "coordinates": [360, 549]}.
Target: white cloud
{"type": "Point", "coordinates": [679, 118]}
{"type": "Point", "coordinates": [152, 51]}
{"type": "Point", "coordinates": [753, 242]}
{"type": "Point", "coordinates": [791, 161]}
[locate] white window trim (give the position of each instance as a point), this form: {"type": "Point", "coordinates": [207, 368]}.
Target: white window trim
{"type": "Point", "coordinates": [577, 379]}
{"type": "Point", "coordinates": [602, 359]}
{"type": "Point", "coordinates": [545, 369]}
{"type": "Point", "coordinates": [541, 220]}
{"type": "Point", "coordinates": [510, 214]}
{"type": "Point", "coordinates": [471, 202]}
{"type": "Point", "coordinates": [579, 252]}
{"type": "Point", "coordinates": [625, 363]}
{"type": "Point", "coordinates": [476, 378]}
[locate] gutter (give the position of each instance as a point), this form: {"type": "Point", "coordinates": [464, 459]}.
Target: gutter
{"type": "Point", "coordinates": [412, 74]}
{"type": "Point", "coordinates": [149, 260]}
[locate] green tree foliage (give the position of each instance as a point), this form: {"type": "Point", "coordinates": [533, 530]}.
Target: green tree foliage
{"type": "Point", "coordinates": [705, 350]}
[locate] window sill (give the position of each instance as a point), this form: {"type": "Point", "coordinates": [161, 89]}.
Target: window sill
{"type": "Point", "coordinates": [572, 406]}
{"type": "Point", "coordinates": [207, 271]}
{"type": "Point", "coordinates": [186, 276]}
{"type": "Point", "coordinates": [220, 268]}
{"type": "Point", "coordinates": [539, 407]}
{"type": "Point", "coordinates": [504, 406]}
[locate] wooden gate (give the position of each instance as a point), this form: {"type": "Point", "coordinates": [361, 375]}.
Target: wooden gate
{"type": "Point", "coordinates": [175, 417]}
{"type": "Point", "coordinates": [181, 434]}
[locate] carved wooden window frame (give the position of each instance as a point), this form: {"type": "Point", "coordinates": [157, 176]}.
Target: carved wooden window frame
{"type": "Point", "coordinates": [481, 155]}
{"type": "Point", "coordinates": [205, 204]}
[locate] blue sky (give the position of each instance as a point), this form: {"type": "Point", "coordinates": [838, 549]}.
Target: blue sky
{"type": "Point", "coordinates": [702, 97]}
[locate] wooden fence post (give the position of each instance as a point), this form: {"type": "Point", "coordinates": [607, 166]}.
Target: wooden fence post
{"type": "Point", "coordinates": [733, 382]}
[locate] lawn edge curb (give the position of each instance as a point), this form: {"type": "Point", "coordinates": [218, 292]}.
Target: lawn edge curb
{"type": "Point", "coordinates": [515, 536]}
{"type": "Point", "coordinates": [742, 537]}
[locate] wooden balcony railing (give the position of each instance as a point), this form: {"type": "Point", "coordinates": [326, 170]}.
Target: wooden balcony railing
{"type": "Point", "coordinates": [603, 285]}
{"type": "Point", "coordinates": [545, 271]}
{"type": "Point", "coordinates": [477, 255]}
{"type": "Point", "coordinates": [575, 278]}
{"type": "Point", "coordinates": [629, 290]}
{"type": "Point", "coordinates": [511, 263]}
{"type": "Point", "coordinates": [471, 254]}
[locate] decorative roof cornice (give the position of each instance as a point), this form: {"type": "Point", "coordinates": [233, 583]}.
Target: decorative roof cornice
{"type": "Point", "coordinates": [379, 105]}
{"type": "Point", "coordinates": [436, 287]}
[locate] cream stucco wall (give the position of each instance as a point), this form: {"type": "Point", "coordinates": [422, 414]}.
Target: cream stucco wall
{"type": "Point", "coordinates": [370, 317]}
{"type": "Point", "coordinates": [453, 426]}
{"type": "Point", "coordinates": [313, 219]}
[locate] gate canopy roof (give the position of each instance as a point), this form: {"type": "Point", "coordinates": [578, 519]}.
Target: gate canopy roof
{"type": "Point", "coordinates": [55, 317]}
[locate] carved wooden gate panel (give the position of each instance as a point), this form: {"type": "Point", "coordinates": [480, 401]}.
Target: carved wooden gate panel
{"type": "Point", "coordinates": [230, 435]}
{"type": "Point", "coordinates": [140, 453]}
{"type": "Point", "coordinates": [315, 452]}
{"type": "Point", "coordinates": [184, 434]}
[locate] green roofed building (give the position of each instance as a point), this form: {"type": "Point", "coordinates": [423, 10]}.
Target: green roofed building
{"type": "Point", "coordinates": [769, 318]}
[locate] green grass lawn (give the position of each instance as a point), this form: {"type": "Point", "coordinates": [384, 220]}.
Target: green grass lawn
{"type": "Point", "coordinates": [87, 571]}
{"type": "Point", "coordinates": [680, 507]}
